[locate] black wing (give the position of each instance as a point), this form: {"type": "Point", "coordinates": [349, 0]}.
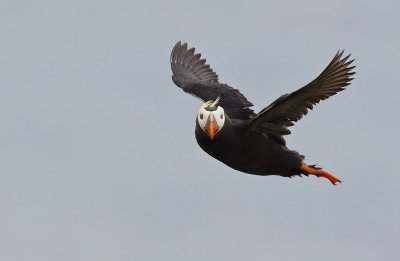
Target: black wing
{"type": "Point", "coordinates": [194, 76]}
{"type": "Point", "coordinates": [289, 108]}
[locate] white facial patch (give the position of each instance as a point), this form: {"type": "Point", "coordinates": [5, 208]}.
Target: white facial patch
{"type": "Point", "coordinates": [204, 116]}
{"type": "Point", "coordinates": [219, 116]}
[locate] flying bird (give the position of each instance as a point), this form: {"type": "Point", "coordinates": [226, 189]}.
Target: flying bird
{"type": "Point", "coordinates": [230, 131]}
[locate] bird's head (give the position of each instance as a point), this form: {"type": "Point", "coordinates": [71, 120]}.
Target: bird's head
{"type": "Point", "coordinates": [211, 118]}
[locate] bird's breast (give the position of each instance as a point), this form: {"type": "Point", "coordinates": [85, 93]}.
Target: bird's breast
{"type": "Point", "coordinates": [248, 152]}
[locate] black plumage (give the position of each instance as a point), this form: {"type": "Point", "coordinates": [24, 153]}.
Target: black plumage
{"type": "Point", "coordinates": [246, 141]}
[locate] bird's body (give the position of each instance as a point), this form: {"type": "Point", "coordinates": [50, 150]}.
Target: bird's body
{"type": "Point", "coordinates": [267, 158]}
{"type": "Point", "coordinates": [229, 130]}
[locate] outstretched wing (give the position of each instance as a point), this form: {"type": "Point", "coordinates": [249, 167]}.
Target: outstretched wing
{"type": "Point", "coordinates": [194, 76]}
{"type": "Point", "coordinates": [289, 108]}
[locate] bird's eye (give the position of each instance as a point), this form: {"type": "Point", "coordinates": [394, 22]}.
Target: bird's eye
{"type": "Point", "coordinates": [221, 117]}
{"type": "Point", "coordinates": [201, 116]}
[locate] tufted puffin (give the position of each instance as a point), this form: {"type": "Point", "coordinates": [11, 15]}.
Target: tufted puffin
{"type": "Point", "coordinates": [230, 131]}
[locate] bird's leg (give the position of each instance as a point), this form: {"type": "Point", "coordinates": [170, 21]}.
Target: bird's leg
{"type": "Point", "coordinates": [319, 173]}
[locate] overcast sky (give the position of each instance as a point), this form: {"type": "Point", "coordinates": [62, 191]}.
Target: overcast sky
{"type": "Point", "coordinates": [98, 159]}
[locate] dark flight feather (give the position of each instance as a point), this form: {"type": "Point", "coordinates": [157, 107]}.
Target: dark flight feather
{"type": "Point", "coordinates": [289, 108]}
{"type": "Point", "coordinates": [194, 76]}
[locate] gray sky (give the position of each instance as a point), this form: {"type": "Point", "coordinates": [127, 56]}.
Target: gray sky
{"type": "Point", "coordinates": [98, 159]}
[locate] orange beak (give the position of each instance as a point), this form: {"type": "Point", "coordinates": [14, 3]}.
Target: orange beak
{"type": "Point", "coordinates": [211, 127]}
{"type": "Point", "coordinates": [211, 130]}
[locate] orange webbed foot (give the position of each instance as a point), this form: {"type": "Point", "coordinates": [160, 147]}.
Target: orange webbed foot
{"type": "Point", "coordinates": [319, 173]}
